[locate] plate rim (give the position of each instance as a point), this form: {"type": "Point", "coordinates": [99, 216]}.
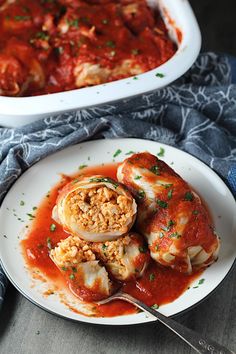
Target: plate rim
{"type": "Point", "coordinates": [87, 319]}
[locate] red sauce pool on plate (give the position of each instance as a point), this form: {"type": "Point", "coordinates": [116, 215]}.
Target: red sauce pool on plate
{"type": "Point", "coordinates": [158, 285]}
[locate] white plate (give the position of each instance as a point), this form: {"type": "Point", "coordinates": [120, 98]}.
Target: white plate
{"type": "Point", "coordinates": [43, 175]}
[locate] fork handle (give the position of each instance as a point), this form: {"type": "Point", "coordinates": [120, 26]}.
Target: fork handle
{"type": "Point", "coordinates": [194, 339]}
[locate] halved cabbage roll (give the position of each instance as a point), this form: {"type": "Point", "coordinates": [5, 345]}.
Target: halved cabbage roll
{"type": "Point", "coordinates": [125, 258]}
{"type": "Point", "coordinates": [86, 277]}
{"type": "Point", "coordinates": [96, 208]}
{"type": "Point", "coordinates": [176, 224]}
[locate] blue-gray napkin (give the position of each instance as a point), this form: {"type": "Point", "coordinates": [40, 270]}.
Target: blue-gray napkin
{"type": "Point", "coordinates": [196, 114]}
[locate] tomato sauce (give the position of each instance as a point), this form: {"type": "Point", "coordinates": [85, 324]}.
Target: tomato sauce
{"type": "Point", "coordinates": [58, 45]}
{"type": "Point", "coordinates": [158, 285]}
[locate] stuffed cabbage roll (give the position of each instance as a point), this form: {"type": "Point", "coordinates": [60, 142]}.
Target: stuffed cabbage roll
{"type": "Point", "coordinates": [125, 258]}
{"type": "Point", "coordinates": [86, 277]}
{"type": "Point", "coordinates": [172, 217]}
{"type": "Point", "coordinates": [95, 208]}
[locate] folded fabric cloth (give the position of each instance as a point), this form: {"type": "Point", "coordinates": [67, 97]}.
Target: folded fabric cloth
{"type": "Point", "coordinates": [196, 114]}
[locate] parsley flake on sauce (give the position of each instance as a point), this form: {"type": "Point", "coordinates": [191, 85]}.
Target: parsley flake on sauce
{"type": "Point", "coordinates": [189, 196]}
{"type": "Point", "coordinates": [22, 203]}
{"type": "Point", "coordinates": [49, 243]}
{"type": "Point", "coordinates": [22, 18]}
{"type": "Point", "coordinates": [151, 277]}
{"type": "Point", "coordinates": [110, 44]}
{"type": "Point", "coordinates": [72, 276]}
{"type": "Point", "coordinates": [195, 212]}
{"type": "Point", "coordinates": [175, 235]}
{"type": "Point", "coordinates": [135, 51]}
{"type": "Point", "coordinates": [137, 177]}
{"type": "Point", "coordinates": [170, 193]}
{"type": "Point", "coordinates": [52, 227]}
{"type": "Point", "coordinates": [155, 169]}
{"type": "Point", "coordinates": [162, 204]}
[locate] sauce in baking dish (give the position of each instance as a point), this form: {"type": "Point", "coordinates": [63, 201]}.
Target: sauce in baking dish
{"type": "Point", "coordinates": [157, 286]}
{"type": "Point", "coordinates": [50, 46]}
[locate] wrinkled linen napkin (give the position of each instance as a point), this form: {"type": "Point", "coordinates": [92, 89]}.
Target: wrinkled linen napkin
{"type": "Point", "coordinates": [197, 114]}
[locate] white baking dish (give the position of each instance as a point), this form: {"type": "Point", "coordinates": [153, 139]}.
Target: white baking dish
{"type": "Point", "coordinates": [17, 111]}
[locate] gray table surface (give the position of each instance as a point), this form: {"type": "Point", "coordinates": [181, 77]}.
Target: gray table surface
{"type": "Point", "coordinates": [27, 329]}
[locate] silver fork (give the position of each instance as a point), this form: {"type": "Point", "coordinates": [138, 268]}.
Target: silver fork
{"type": "Point", "coordinates": [192, 338]}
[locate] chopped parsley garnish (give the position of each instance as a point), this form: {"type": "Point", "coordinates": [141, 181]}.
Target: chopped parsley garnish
{"type": "Point", "coordinates": [42, 35]}
{"type": "Point", "coordinates": [104, 179]}
{"type": "Point", "coordinates": [22, 18]}
{"type": "Point", "coordinates": [72, 276]}
{"type": "Point", "coordinates": [118, 152]}
{"type": "Point", "coordinates": [170, 193]}
{"type": "Point", "coordinates": [52, 227]}
{"type": "Point", "coordinates": [110, 44]}
{"type": "Point", "coordinates": [64, 268]}
{"type": "Point", "coordinates": [160, 75]}
{"type": "Point", "coordinates": [82, 166]}
{"type": "Point", "coordinates": [105, 21]}
{"type": "Point", "coordinates": [135, 78]}
{"type": "Point", "coordinates": [201, 281]}
{"type": "Point", "coordinates": [137, 177]}
{"type": "Point", "coordinates": [151, 277]}
{"type": "Point", "coordinates": [161, 153]}
{"type": "Point", "coordinates": [75, 181]}
{"type": "Point", "coordinates": [162, 203]}
{"type": "Point", "coordinates": [49, 243]}
{"type": "Point", "coordinates": [74, 269]}
{"type": "Point", "coordinates": [35, 208]}
{"type": "Point", "coordinates": [130, 152]}
{"type": "Point", "coordinates": [195, 212]}
{"type": "Point", "coordinates": [59, 50]}
{"type": "Point", "coordinates": [73, 23]}
{"type": "Point", "coordinates": [31, 216]}
{"type": "Point", "coordinates": [141, 194]}
{"type": "Point", "coordinates": [155, 169]}
{"type": "Point", "coordinates": [166, 186]}
{"type": "Point", "coordinates": [175, 235]}
{"type": "Point", "coordinates": [22, 203]}
{"type": "Point", "coordinates": [155, 306]}
{"type": "Point", "coordinates": [169, 225]}
{"type": "Point", "coordinates": [104, 247]}
{"type": "Point", "coordinates": [143, 249]}
{"type": "Point", "coordinates": [135, 51]}
{"type": "Point", "coordinates": [189, 196]}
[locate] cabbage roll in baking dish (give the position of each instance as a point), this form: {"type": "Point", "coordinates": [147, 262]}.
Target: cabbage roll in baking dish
{"type": "Point", "coordinates": [95, 208]}
{"type": "Point", "coordinates": [172, 217]}
{"type": "Point", "coordinates": [88, 265]}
